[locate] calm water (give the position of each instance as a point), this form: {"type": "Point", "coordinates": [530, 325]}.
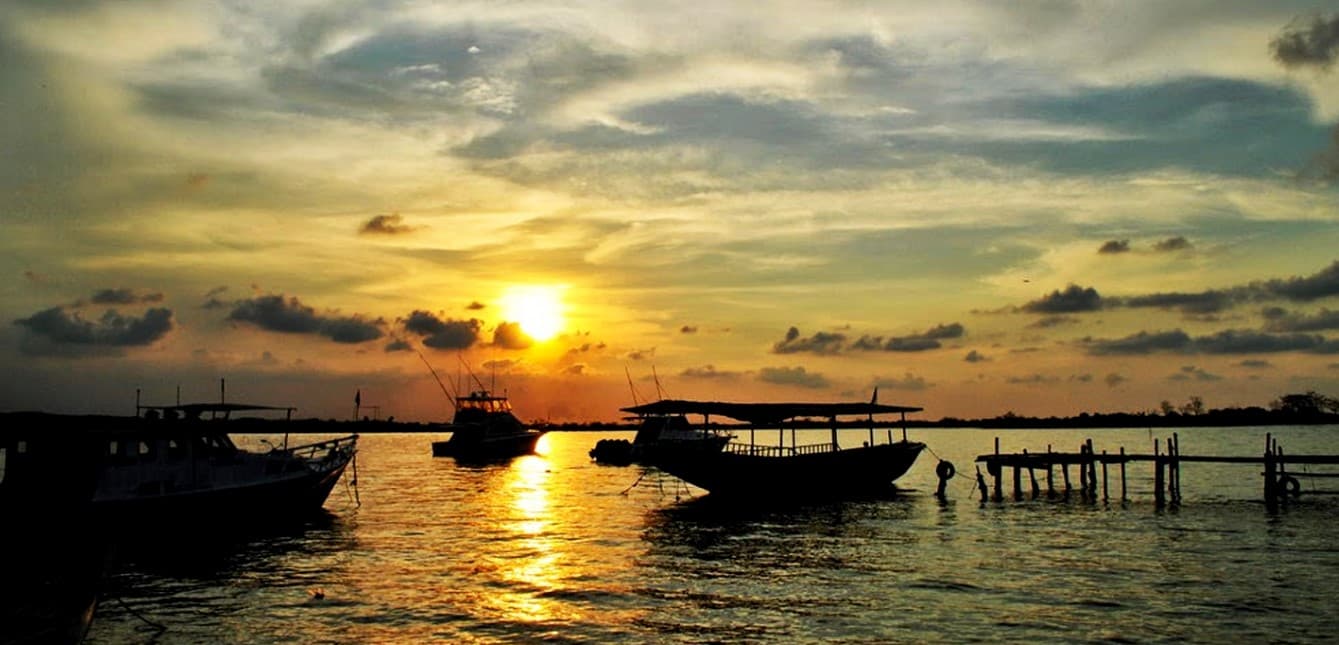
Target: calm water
{"type": "Point", "coordinates": [556, 548]}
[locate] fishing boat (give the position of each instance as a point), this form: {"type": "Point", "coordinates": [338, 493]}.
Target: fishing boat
{"type": "Point", "coordinates": [812, 470]}
{"type": "Point", "coordinates": [180, 461]}
{"type": "Point", "coordinates": [485, 429]}
{"type": "Point", "coordinates": [660, 434]}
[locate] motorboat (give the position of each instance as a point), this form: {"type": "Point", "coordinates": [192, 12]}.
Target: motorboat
{"type": "Point", "coordinates": [485, 429]}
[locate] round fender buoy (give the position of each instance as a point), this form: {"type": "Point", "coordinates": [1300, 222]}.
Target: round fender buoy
{"type": "Point", "coordinates": [945, 470]}
{"type": "Point", "coordinates": [1293, 486]}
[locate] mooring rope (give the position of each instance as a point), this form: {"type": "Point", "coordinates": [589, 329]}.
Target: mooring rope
{"type": "Point", "coordinates": [158, 627]}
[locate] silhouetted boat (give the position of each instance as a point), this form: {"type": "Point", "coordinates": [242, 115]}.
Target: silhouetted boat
{"type": "Point", "coordinates": [484, 429]}
{"type": "Point", "coordinates": [173, 462]}
{"type": "Point", "coordinates": [53, 557]}
{"type": "Point", "coordinates": [659, 434]}
{"type": "Point", "coordinates": [824, 469]}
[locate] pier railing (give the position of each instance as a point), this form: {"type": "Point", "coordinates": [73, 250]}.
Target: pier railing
{"type": "Point", "coordinates": [756, 450]}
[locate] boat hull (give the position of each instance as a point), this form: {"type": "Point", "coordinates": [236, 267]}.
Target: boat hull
{"type": "Point", "coordinates": [465, 448]}
{"type": "Point", "coordinates": [848, 472]}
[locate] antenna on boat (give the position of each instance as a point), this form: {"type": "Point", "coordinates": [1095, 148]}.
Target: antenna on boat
{"type": "Point", "coordinates": [471, 372]}
{"type": "Point", "coordinates": [660, 394]}
{"type": "Point", "coordinates": [440, 384]}
{"type": "Point", "coordinates": [631, 386]}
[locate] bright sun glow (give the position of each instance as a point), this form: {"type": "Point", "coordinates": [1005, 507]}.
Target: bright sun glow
{"type": "Point", "coordinates": [538, 310]}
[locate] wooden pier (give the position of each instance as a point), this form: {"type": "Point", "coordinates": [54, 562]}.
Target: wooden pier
{"type": "Point", "coordinates": [1280, 483]}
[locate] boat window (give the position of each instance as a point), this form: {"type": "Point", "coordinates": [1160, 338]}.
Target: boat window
{"type": "Point", "coordinates": [113, 447]}
{"type": "Point", "coordinates": [21, 447]}
{"type": "Point", "coordinates": [3, 450]}
{"type": "Point", "coordinates": [145, 448]}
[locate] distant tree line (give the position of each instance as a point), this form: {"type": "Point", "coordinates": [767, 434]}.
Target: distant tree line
{"type": "Point", "coordinates": [1306, 408]}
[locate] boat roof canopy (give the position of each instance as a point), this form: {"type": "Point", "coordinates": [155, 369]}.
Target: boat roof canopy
{"type": "Point", "coordinates": [760, 413]}
{"type": "Point", "coordinates": [214, 407]}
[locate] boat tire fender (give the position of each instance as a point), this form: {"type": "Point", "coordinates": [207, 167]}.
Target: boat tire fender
{"type": "Point", "coordinates": [1293, 486]}
{"type": "Point", "coordinates": [945, 469]}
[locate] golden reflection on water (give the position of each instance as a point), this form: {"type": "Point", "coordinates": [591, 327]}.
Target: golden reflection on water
{"type": "Point", "coordinates": [530, 569]}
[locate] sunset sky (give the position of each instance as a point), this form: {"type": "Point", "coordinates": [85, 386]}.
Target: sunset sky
{"type": "Point", "coordinates": [975, 207]}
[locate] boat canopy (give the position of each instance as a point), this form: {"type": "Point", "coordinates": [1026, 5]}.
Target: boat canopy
{"type": "Point", "coordinates": [766, 413]}
{"type": "Point", "coordinates": [196, 410]}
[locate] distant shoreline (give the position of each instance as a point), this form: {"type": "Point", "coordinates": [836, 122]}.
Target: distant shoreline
{"type": "Point", "coordinates": [1213, 418]}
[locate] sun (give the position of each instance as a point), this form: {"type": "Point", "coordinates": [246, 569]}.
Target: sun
{"type": "Point", "coordinates": [537, 309]}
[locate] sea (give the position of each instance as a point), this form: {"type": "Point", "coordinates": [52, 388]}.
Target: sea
{"type": "Point", "coordinates": [555, 548]}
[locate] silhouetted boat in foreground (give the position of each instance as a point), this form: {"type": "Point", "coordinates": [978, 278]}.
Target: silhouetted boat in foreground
{"type": "Point", "coordinates": [484, 429]}
{"type": "Point", "coordinates": [814, 470]}
{"type": "Point", "coordinates": [161, 467]}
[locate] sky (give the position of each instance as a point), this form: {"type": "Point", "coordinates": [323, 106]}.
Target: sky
{"type": "Point", "coordinates": [977, 208]}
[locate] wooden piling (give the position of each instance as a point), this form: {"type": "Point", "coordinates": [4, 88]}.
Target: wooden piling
{"type": "Point", "coordinates": [1083, 472]}
{"type": "Point", "coordinates": [1158, 493]}
{"type": "Point", "coordinates": [1050, 474]}
{"type": "Point", "coordinates": [1122, 474]}
{"type": "Point", "coordinates": [1271, 495]}
{"type": "Point", "coordinates": [998, 472]}
{"type": "Point", "coordinates": [1105, 497]}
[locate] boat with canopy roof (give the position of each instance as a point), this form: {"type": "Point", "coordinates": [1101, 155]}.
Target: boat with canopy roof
{"type": "Point", "coordinates": [819, 469]}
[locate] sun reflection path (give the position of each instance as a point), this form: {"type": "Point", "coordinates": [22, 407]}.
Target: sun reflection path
{"type": "Point", "coordinates": [533, 569]}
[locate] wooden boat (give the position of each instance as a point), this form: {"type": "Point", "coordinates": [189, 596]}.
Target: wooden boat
{"type": "Point", "coordinates": [658, 434]}
{"type": "Point", "coordinates": [173, 462]}
{"type": "Point", "coordinates": [824, 469]}
{"type": "Point", "coordinates": [484, 429]}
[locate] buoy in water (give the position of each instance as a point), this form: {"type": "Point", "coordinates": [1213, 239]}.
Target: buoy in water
{"type": "Point", "coordinates": [945, 469]}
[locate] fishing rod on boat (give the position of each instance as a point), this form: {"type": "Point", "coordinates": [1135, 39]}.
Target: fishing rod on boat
{"type": "Point", "coordinates": [449, 397]}
{"type": "Point", "coordinates": [470, 370]}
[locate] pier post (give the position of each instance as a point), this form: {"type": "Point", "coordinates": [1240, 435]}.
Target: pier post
{"type": "Point", "coordinates": [1018, 483]}
{"type": "Point", "coordinates": [1105, 496]}
{"type": "Point", "coordinates": [1122, 474]}
{"type": "Point", "coordinates": [1092, 471]}
{"type": "Point", "coordinates": [997, 471]}
{"type": "Point", "coordinates": [981, 484]}
{"type": "Point", "coordinates": [1158, 499]}
{"type": "Point", "coordinates": [1064, 470]}
{"type": "Point", "coordinates": [1036, 490]}
{"type": "Point", "coordinates": [1083, 471]}
{"type": "Point", "coordinates": [1176, 469]}
{"type": "Point", "coordinates": [1050, 474]}
{"type": "Point", "coordinates": [1271, 496]}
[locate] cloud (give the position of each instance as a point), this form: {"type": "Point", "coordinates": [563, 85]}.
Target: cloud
{"type": "Point", "coordinates": [1255, 364]}
{"type": "Point", "coordinates": [399, 345]}
{"type": "Point", "coordinates": [692, 329]}
{"type": "Point", "coordinates": [1231, 341]}
{"type": "Point", "coordinates": [1141, 343]}
{"type": "Point", "coordinates": [289, 316]}
{"type": "Point", "coordinates": [792, 376]}
{"type": "Point", "coordinates": [927, 340]}
{"type": "Point", "coordinates": [640, 354]}
{"type": "Point", "coordinates": [1308, 44]}
{"type": "Point", "coordinates": [1053, 321]}
{"type": "Point", "coordinates": [443, 334]}
{"type": "Point", "coordinates": [909, 382]}
{"type": "Point", "coordinates": [1177, 243]}
{"type": "Point", "coordinates": [1279, 321]}
{"type": "Point", "coordinates": [1322, 284]}
{"type": "Point", "coordinates": [1192, 373]}
{"type": "Point", "coordinates": [1032, 379]}
{"type": "Point", "coordinates": [475, 306]}
{"type": "Point", "coordinates": [386, 225]}
{"type": "Point", "coordinates": [1114, 246]}
{"type": "Point", "coordinates": [820, 343]}
{"type": "Point", "coordinates": [56, 331]}
{"type": "Point", "coordinates": [709, 372]}
{"type": "Point", "coordinates": [1072, 300]}
{"type": "Point", "coordinates": [1113, 379]}
{"type": "Point", "coordinates": [509, 335]}
{"type": "Point", "coordinates": [123, 296]}
{"type": "Point", "coordinates": [575, 370]}
{"type": "Point", "coordinates": [975, 357]}
{"type": "Point", "coordinates": [1199, 303]}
